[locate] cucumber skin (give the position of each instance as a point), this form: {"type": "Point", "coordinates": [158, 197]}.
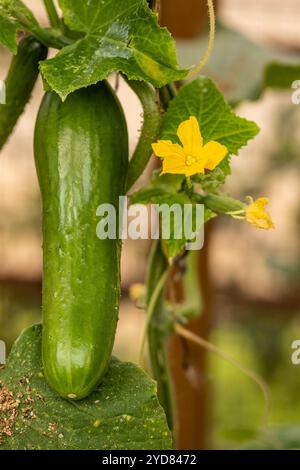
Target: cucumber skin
{"type": "Point", "coordinates": [81, 153]}
{"type": "Point", "coordinates": [20, 80]}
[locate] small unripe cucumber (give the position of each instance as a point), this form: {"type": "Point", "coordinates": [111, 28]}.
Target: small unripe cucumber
{"type": "Point", "coordinates": [19, 83]}
{"type": "Point", "coordinates": [81, 153]}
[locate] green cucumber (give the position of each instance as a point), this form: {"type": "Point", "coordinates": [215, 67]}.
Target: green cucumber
{"type": "Point", "coordinates": [81, 153]}
{"type": "Point", "coordinates": [20, 80]}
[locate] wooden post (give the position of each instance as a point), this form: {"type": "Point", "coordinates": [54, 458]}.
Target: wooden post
{"type": "Point", "coordinates": [186, 19]}
{"type": "Point", "coordinates": [188, 363]}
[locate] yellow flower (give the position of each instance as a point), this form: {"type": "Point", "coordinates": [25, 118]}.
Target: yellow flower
{"type": "Point", "coordinates": [137, 292]}
{"type": "Point", "coordinates": [257, 215]}
{"type": "Point", "coordinates": [192, 157]}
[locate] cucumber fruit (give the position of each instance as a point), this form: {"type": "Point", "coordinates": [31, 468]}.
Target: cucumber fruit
{"type": "Point", "coordinates": [81, 154]}
{"type": "Point", "coordinates": [19, 83]}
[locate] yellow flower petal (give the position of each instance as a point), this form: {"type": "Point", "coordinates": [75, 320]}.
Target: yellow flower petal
{"type": "Point", "coordinates": [165, 148]}
{"type": "Point", "coordinates": [194, 169]}
{"type": "Point", "coordinates": [192, 158]}
{"type": "Point", "coordinates": [172, 165]}
{"type": "Point", "coordinates": [257, 215]}
{"type": "Point", "coordinates": [190, 136]}
{"type": "Point", "coordinates": [212, 154]}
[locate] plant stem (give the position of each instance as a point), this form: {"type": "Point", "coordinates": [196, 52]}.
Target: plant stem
{"type": "Point", "coordinates": [220, 203]}
{"type": "Point", "coordinates": [149, 133]}
{"type": "Point", "coordinates": [172, 89]}
{"type": "Point", "coordinates": [49, 37]}
{"type": "Point", "coordinates": [165, 97]}
{"type": "Point", "coordinates": [54, 19]}
{"type": "Point", "coordinates": [212, 32]}
{"type": "Point", "coordinates": [188, 186]}
{"type": "Point", "coordinates": [158, 331]}
{"type": "Point", "coordinates": [151, 307]}
{"type": "Point", "coordinates": [52, 38]}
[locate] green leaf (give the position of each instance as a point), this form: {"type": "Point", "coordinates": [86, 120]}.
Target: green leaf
{"type": "Point", "coordinates": [167, 181]}
{"type": "Point", "coordinates": [174, 246]}
{"type": "Point", "coordinates": [123, 413]}
{"type": "Point", "coordinates": [280, 75]}
{"type": "Point", "coordinates": [158, 195]}
{"type": "Point", "coordinates": [169, 223]}
{"type": "Point", "coordinates": [213, 180]}
{"type": "Point", "coordinates": [120, 36]}
{"type": "Point", "coordinates": [201, 98]}
{"type": "Point", "coordinates": [8, 32]}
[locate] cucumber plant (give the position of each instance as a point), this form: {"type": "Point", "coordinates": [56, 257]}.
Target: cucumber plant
{"type": "Point", "coordinates": [81, 154]}
{"type": "Point", "coordinates": [19, 83]}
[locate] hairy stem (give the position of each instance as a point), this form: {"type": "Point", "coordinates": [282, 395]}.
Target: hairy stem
{"type": "Point", "coordinates": [54, 19]}
{"type": "Point", "coordinates": [220, 203]}
{"type": "Point", "coordinates": [149, 133]}
{"type": "Point", "coordinates": [212, 32]}
{"type": "Point", "coordinates": [49, 37]}
{"type": "Point", "coordinates": [158, 330]}
{"type": "Point", "coordinates": [151, 308]}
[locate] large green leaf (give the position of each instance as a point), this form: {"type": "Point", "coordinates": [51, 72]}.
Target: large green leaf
{"type": "Point", "coordinates": [201, 98]}
{"type": "Point", "coordinates": [119, 36]}
{"type": "Point", "coordinates": [158, 195]}
{"type": "Point", "coordinates": [123, 413]}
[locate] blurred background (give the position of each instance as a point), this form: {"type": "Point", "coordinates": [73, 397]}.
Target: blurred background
{"type": "Point", "coordinates": [254, 312]}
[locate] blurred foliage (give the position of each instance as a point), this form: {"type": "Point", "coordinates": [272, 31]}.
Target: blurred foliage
{"type": "Point", "coordinates": [263, 344]}
{"type": "Point", "coordinates": [279, 75]}
{"type": "Point", "coordinates": [287, 151]}
{"type": "Point", "coordinates": [244, 73]}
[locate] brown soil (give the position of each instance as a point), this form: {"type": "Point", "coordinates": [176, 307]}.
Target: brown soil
{"type": "Point", "coordinates": [9, 409]}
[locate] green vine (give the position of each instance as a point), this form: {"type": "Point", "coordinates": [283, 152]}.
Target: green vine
{"type": "Point", "coordinates": [53, 16]}
{"type": "Point", "coordinates": [158, 329]}
{"type": "Point", "coordinates": [149, 133]}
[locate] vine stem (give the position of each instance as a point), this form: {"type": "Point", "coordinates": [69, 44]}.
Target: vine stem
{"type": "Point", "coordinates": [49, 37]}
{"type": "Point", "coordinates": [188, 335]}
{"type": "Point", "coordinates": [156, 293]}
{"type": "Point", "coordinates": [159, 329]}
{"type": "Point", "coordinates": [54, 19]}
{"type": "Point", "coordinates": [149, 133]}
{"type": "Point", "coordinates": [212, 33]}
